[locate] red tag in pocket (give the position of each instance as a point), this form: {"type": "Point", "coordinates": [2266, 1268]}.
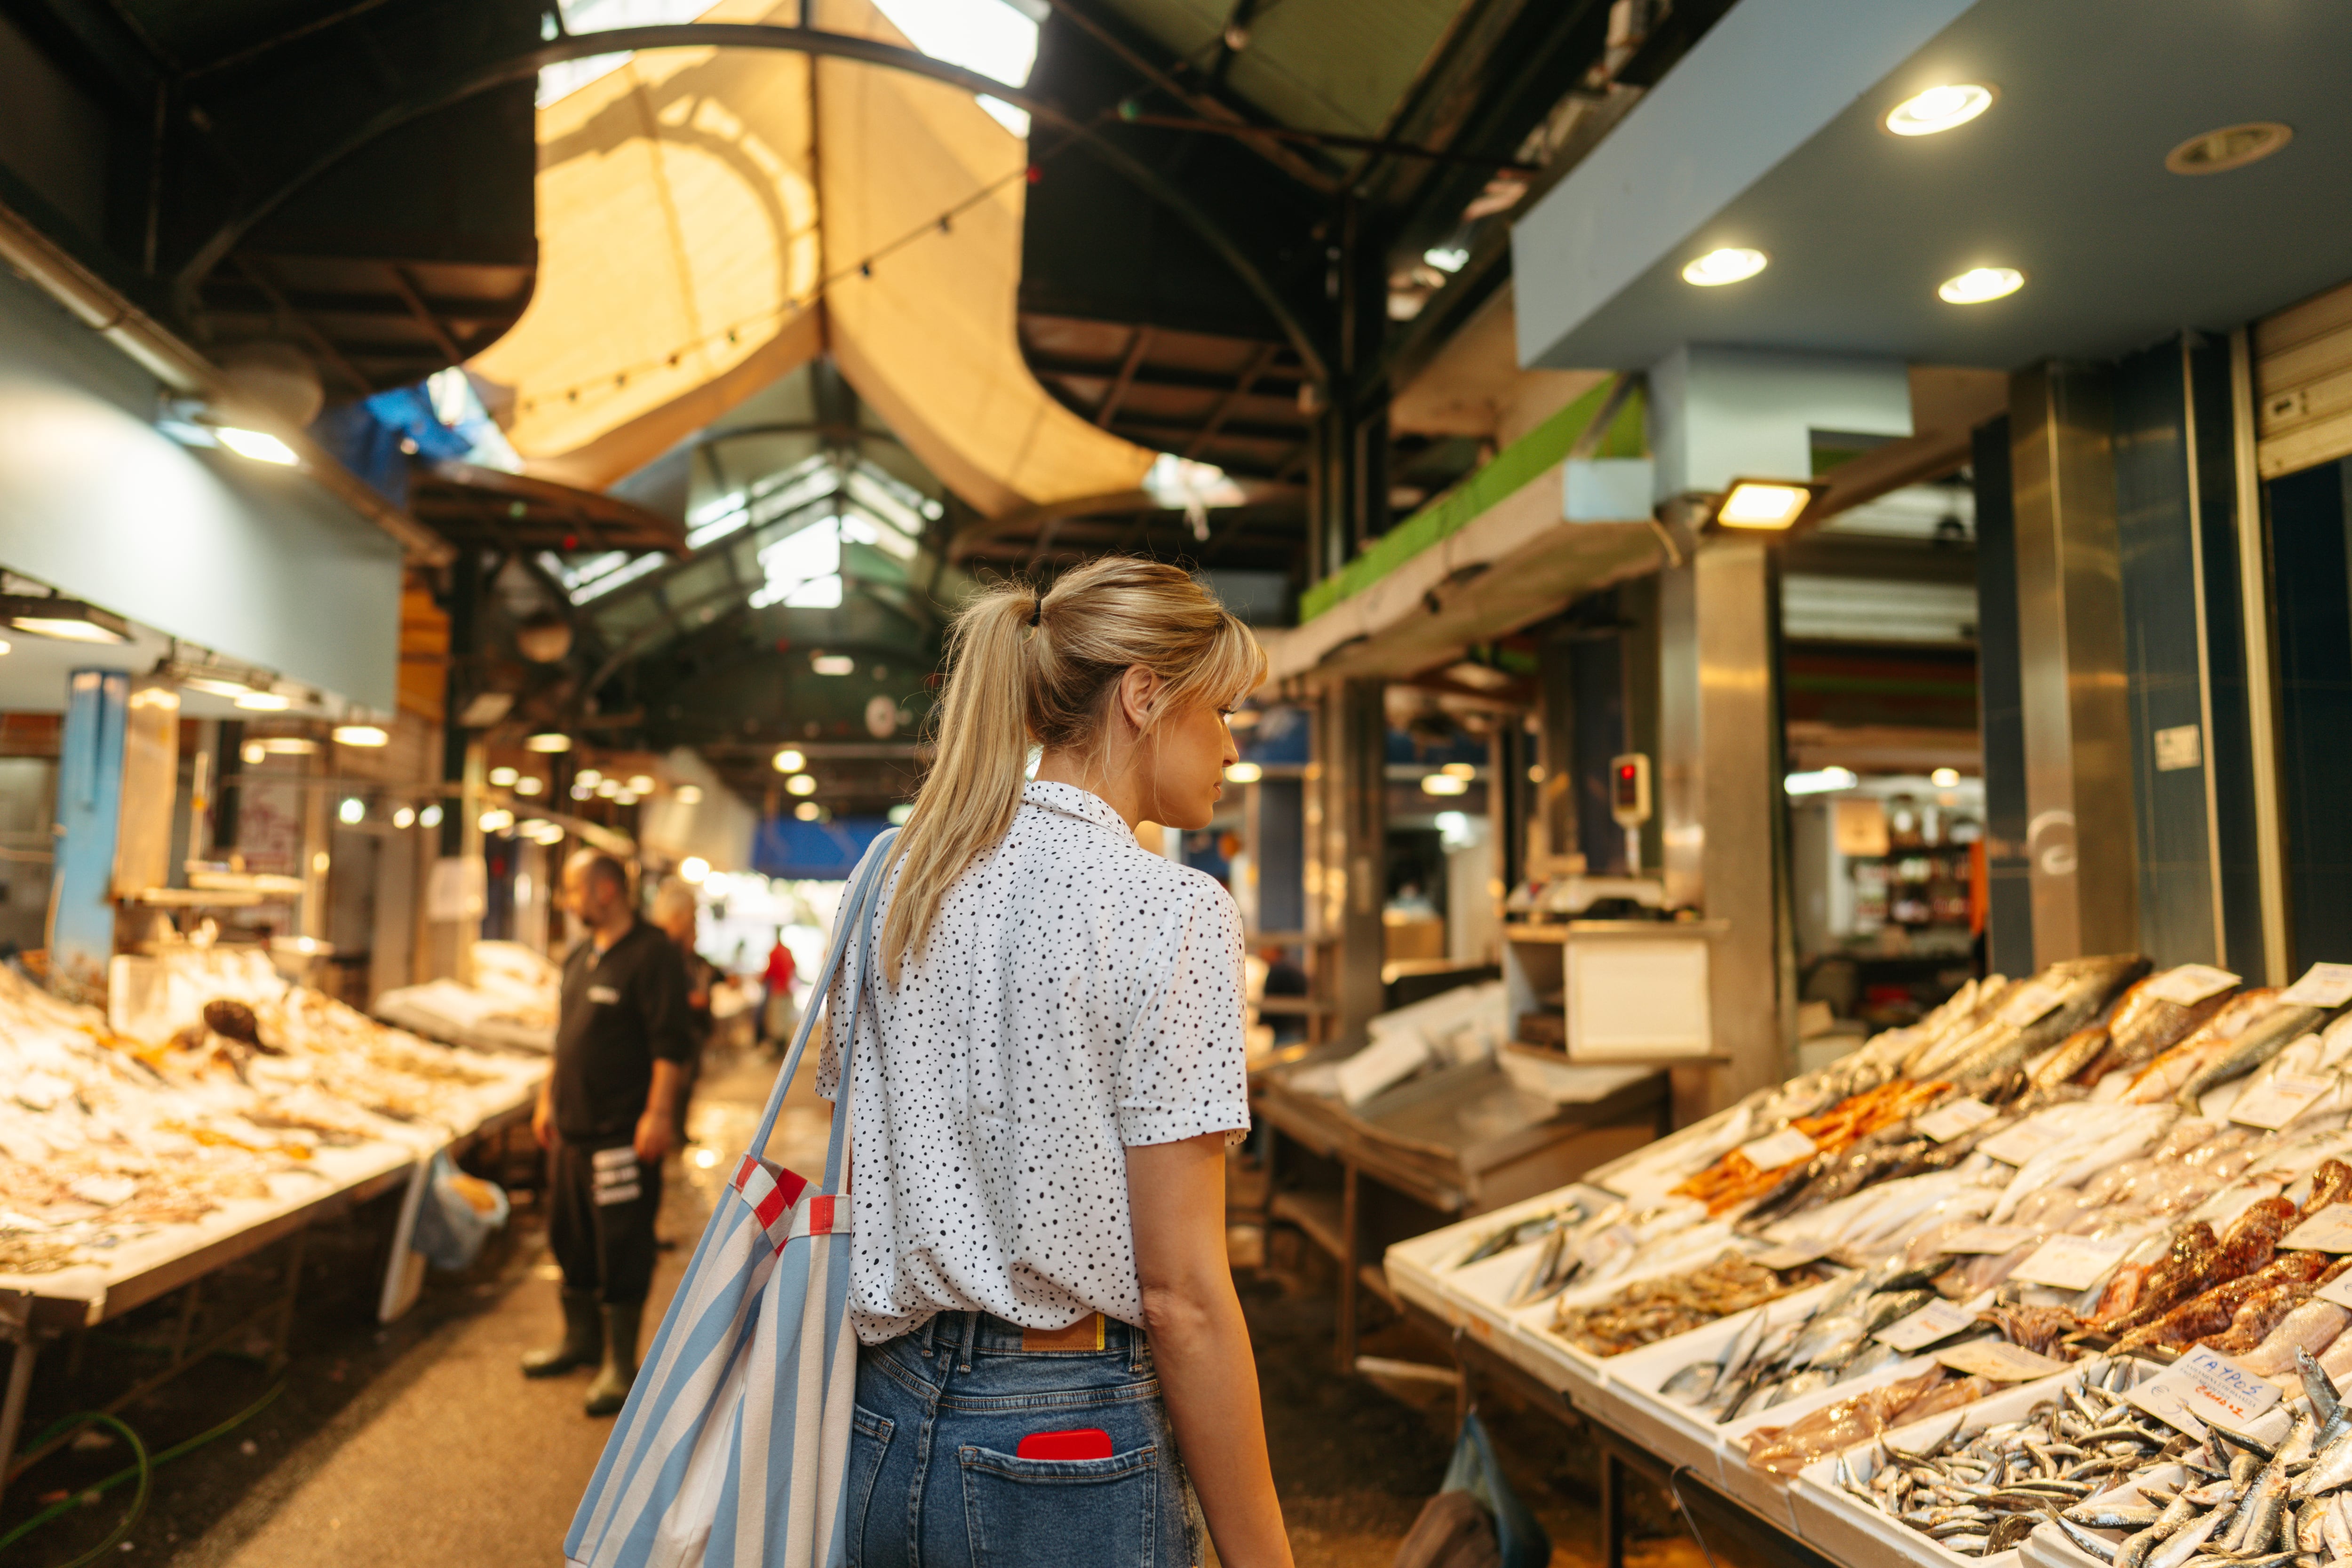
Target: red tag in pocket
{"type": "Point", "coordinates": [1080, 1443]}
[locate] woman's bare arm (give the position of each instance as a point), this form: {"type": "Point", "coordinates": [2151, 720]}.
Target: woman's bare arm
{"type": "Point", "coordinates": [1200, 1345]}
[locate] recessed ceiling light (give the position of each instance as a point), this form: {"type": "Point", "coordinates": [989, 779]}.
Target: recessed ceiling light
{"type": "Point", "coordinates": [265, 703]}
{"type": "Point", "coordinates": [1243, 773]}
{"type": "Point", "coordinates": [362, 735]}
{"type": "Point", "coordinates": [808, 811]}
{"type": "Point", "coordinates": [503, 778]}
{"type": "Point", "coordinates": [799, 783]}
{"type": "Point", "coordinates": [1443, 784]}
{"type": "Point", "coordinates": [548, 740]}
{"type": "Point", "coordinates": [1979, 284]}
{"type": "Point", "coordinates": [1938, 109]}
{"type": "Point", "coordinates": [788, 761]}
{"type": "Point", "coordinates": [1731, 264]}
{"type": "Point", "coordinates": [832, 663]}
{"type": "Point", "coordinates": [2231, 147]}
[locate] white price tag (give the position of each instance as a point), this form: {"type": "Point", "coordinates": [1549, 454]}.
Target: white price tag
{"type": "Point", "coordinates": [2280, 1098]}
{"type": "Point", "coordinates": [2190, 983]}
{"type": "Point", "coordinates": [1935, 1321]}
{"type": "Point", "coordinates": [2337, 1292]}
{"type": "Point", "coordinates": [1785, 1147]}
{"type": "Point", "coordinates": [1946, 1122]}
{"type": "Point", "coordinates": [2000, 1361]}
{"type": "Point", "coordinates": [1988, 1238]}
{"type": "Point", "coordinates": [1795, 1255]}
{"type": "Point", "coordinates": [2029, 1002]}
{"type": "Point", "coordinates": [2329, 1230]}
{"type": "Point", "coordinates": [2016, 1145]}
{"type": "Point", "coordinates": [2203, 1387]}
{"type": "Point", "coordinates": [2070, 1262]}
{"type": "Point", "coordinates": [2322, 986]}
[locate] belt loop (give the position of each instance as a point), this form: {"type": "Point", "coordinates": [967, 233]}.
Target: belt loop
{"type": "Point", "coordinates": [930, 1332]}
{"type": "Point", "coordinates": [971, 1334]}
{"type": "Point", "coordinates": [1139, 1351]}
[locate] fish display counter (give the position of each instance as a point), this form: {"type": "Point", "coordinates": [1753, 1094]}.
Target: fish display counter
{"type": "Point", "coordinates": [2045, 1200]}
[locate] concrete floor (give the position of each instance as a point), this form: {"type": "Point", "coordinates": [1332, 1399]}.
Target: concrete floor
{"type": "Point", "coordinates": [419, 1445]}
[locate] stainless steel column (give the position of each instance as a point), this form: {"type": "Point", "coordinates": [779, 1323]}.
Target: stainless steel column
{"type": "Point", "coordinates": [1722, 804]}
{"type": "Point", "coordinates": [2078, 775]}
{"type": "Point", "coordinates": [1347, 804]}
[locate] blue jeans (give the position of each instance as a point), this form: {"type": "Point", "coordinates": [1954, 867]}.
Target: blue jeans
{"type": "Point", "coordinates": [934, 1481]}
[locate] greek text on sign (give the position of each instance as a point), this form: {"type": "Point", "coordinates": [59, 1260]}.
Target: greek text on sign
{"type": "Point", "coordinates": [2322, 986]}
{"type": "Point", "coordinates": [1988, 1238]}
{"type": "Point", "coordinates": [2329, 1230]}
{"type": "Point", "coordinates": [1935, 1321]}
{"type": "Point", "coordinates": [1785, 1147]}
{"type": "Point", "coordinates": [1796, 1255]}
{"type": "Point", "coordinates": [2070, 1262]}
{"type": "Point", "coordinates": [2279, 1098]}
{"type": "Point", "coordinates": [1998, 1360]}
{"type": "Point", "coordinates": [2203, 1387]}
{"type": "Point", "coordinates": [2029, 1002]}
{"type": "Point", "coordinates": [2190, 983]}
{"type": "Point", "coordinates": [2015, 1145]}
{"type": "Point", "coordinates": [1946, 1122]}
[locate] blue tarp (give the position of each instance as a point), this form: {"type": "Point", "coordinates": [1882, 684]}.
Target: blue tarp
{"type": "Point", "coordinates": [814, 851]}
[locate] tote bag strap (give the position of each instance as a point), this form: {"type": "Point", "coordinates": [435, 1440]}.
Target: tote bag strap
{"type": "Point", "coordinates": [855, 917]}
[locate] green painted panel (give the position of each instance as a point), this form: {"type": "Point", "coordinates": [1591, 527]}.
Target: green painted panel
{"type": "Point", "coordinates": [1512, 468]}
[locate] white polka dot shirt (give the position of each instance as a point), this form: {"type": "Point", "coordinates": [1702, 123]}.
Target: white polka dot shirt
{"type": "Point", "coordinates": [1077, 995]}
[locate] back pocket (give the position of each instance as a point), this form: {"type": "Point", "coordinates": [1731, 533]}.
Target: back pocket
{"type": "Point", "coordinates": [869, 1445]}
{"type": "Point", "coordinates": [1074, 1513]}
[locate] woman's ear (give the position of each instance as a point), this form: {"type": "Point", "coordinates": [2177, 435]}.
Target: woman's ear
{"type": "Point", "coordinates": [1138, 694]}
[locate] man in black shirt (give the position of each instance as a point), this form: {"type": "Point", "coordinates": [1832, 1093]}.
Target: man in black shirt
{"type": "Point", "coordinates": [607, 1118]}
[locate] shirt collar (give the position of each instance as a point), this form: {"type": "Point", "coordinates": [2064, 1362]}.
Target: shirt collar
{"type": "Point", "coordinates": [1072, 801]}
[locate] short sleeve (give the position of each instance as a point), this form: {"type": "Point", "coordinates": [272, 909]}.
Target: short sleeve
{"type": "Point", "coordinates": [1185, 1071]}
{"type": "Point", "coordinates": [670, 1026]}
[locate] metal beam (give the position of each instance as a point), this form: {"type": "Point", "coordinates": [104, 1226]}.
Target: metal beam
{"type": "Point", "coordinates": [1241, 389]}
{"type": "Point", "coordinates": [425, 318]}
{"type": "Point", "coordinates": [1135, 349]}
{"type": "Point", "coordinates": [458, 86]}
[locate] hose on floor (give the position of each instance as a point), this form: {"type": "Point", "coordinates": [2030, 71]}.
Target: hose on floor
{"type": "Point", "coordinates": [142, 1470]}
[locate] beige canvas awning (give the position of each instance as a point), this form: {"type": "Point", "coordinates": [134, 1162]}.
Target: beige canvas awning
{"type": "Point", "coordinates": [703, 213]}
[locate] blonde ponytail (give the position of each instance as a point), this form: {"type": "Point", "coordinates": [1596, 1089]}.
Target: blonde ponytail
{"type": "Point", "coordinates": [1023, 666]}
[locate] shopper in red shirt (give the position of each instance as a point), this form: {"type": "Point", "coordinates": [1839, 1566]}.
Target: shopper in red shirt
{"type": "Point", "coordinates": [777, 1015]}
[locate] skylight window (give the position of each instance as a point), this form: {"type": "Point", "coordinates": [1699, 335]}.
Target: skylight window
{"type": "Point", "coordinates": [802, 569]}
{"type": "Point", "coordinates": [991, 36]}
{"type": "Point", "coordinates": [603, 16]}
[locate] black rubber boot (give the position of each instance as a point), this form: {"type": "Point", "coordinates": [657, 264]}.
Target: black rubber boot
{"type": "Point", "coordinates": [613, 1379]}
{"type": "Point", "coordinates": [584, 1340]}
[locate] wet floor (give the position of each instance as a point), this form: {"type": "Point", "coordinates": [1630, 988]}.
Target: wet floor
{"type": "Point", "coordinates": [419, 1445]}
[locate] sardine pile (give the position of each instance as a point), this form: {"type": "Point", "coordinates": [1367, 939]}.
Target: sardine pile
{"type": "Point", "coordinates": [1764, 1366]}
{"type": "Point", "coordinates": [1985, 1492]}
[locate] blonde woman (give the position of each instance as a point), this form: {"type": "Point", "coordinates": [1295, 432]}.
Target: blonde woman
{"type": "Point", "coordinates": [1042, 1089]}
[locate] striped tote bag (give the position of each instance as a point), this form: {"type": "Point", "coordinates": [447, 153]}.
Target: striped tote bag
{"type": "Point", "coordinates": [733, 1448]}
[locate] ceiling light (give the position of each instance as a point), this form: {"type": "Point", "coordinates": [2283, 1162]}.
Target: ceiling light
{"type": "Point", "coordinates": [588, 776]}
{"type": "Point", "coordinates": [1944, 778]}
{"type": "Point", "coordinates": [288, 745]}
{"type": "Point", "coordinates": [353, 812]}
{"type": "Point", "coordinates": [640, 784]}
{"type": "Point", "coordinates": [253, 753]}
{"type": "Point", "coordinates": [1979, 284]}
{"type": "Point", "coordinates": [67, 620]}
{"type": "Point", "coordinates": [549, 741]}
{"type": "Point", "coordinates": [1938, 109]}
{"type": "Point", "coordinates": [528, 784]}
{"type": "Point", "coordinates": [362, 735]}
{"type": "Point", "coordinates": [496, 820]}
{"type": "Point", "coordinates": [430, 817]}
{"type": "Point", "coordinates": [217, 684]}
{"type": "Point", "coordinates": [504, 778]}
{"type": "Point", "coordinates": [583, 791]}
{"type": "Point", "coordinates": [833, 664]}
{"type": "Point", "coordinates": [689, 794]}
{"type": "Point", "coordinates": [788, 760]}
{"type": "Point", "coordinates": [1443, 784]}
{"type": "Point", "coordinates": [265, 703]}
{"type": "Point", "coordinates": [902, 814]}
{"type": "Point", "coordinates": [1731, 264]}
{"type": "Point", "coordinates": [1821, 782]}
{"type": "Point", "coordinates": [626, 797]}
{"type": "Point", "coordinates": [259, 445]}
{"type": "Point", "coordinates": [808, 811]}
{"type": "Point", "coordinates": [1447, 258]}
{"type": "Point", "coordinates": [694, 867]}
{"type": "Point", "coordinates": [1244, 772]}
{"type": "Point", "coordinates": [1459, 769]}
{"type": "Point", "coordinates": [2231, 147]}
{"type": "Point", "coordinates": [801, 783]}
{"type": "Point", "coordinates": [1764, 503]}
{"type": "Point", "coordinates": [608, 788]}
{"type": "Point", "coordinates": [403, 816]}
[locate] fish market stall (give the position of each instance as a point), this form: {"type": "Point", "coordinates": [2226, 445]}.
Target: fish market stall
{"type": "Point", "coordinates": [509, 1003]}
{"type": "Point", "coordinates": [2011, 1283]}
{"type": "Point", "coordinates": [135, 1164]}
{"type": "Point", "coordinates": [1432, 1120]}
